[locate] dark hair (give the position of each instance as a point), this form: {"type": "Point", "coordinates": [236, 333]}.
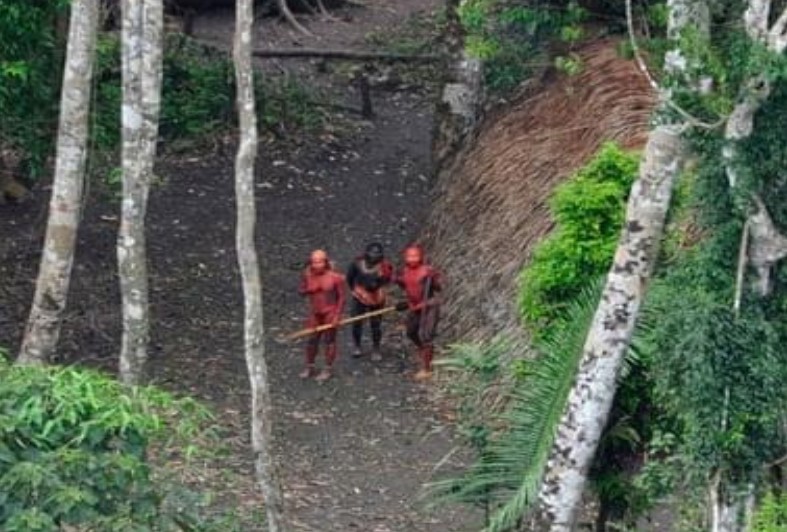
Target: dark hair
{"type": "Point", "coordinates": [374, 248]}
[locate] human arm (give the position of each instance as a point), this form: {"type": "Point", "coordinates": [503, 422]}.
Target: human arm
{"type": "Point", "coordinates": [307, 286]}
{"type": "Point", "coordinates": [352, 275]}
{"type": "Point", "coordinates": [430, 286]}
{"type": "Point", "coordinates": [386, 273]}
{"type": "Point", "coordinates": [341, 298]}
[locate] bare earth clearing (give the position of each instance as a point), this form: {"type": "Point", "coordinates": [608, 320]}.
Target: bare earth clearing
{"type": "Point", "coordinates": [356, 451]}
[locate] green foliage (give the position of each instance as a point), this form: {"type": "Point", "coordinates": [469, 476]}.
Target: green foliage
{"type": "Point", "coordinates": [29, 66]}
{"type": "Point", "coordinates": [197, 89]}
{"type": "Point", "coordinates": [198, 95]}
{"type": "Point", "coordinates": [771, 516]}
{"type": "Point", "coordinates": [513, 444]}
{"type": "Point", "coordinates": [510, 36]}
{"type": "Point", "coordinates": [588, 210]}
{"type": "Point", "coordinates": [717, 376]}
{"type": "Point", "coordinates": [74, 452]}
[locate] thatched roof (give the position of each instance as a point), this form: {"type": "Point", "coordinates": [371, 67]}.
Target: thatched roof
{"type": "Point", "coordinates": [491, 202]}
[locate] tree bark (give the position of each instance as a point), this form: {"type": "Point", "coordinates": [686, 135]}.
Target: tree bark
{"type": "Point", "coordinates": [459, 109]}
{"type": "Point", "coordinates": [261, 418]}
{"type": "Point", "coordinates": [731, 508]}
{"type": "Point", "coordinates": [142, 32]}
{"type": "Point", "coordinates": [590, 399]}
{"type": "Point", "coordinates": [767, 245]}
{"type": "Point", "coordinates": [65, 206]}
{"type": "Point", "coordinates": [343, 54]}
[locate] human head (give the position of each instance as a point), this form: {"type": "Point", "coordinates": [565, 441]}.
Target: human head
{"type": "Point", "coordinates": [318, 261]}
{"type": "Point", "coordinates": [413, 256]}
{"type": "Point", "coordinates": [374, 253]}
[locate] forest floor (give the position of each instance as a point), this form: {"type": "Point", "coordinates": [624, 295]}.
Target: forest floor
{"type": "Point", "coordinates": [354, 452]}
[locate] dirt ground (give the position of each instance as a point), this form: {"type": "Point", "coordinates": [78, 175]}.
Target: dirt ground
{"type": "Point", "coordinates": [354, 452]}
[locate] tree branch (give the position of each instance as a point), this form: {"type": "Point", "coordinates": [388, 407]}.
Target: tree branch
{"type": "Point", "coordinates": [344, 54]}
{"type": "Point", "coordinates": [777, 36]}
{"type": "Point", "coordinates": [285, 12]}
{"type": "Point", "coordinates": [742, 260]}
{"type": "Point", "coordinates": [755, 19]}
{"type": "Point", "coordinates": [690, 119]}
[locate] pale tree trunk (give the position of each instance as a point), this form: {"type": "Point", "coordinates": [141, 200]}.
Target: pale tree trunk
{"type": "Point", "coordinates": [261, 418]}
{"type": "Point", "coordinates": [142, 31]}
{"type": "Point", "coordinates": [731, 508]}
{"type": "Point", "coordinates": [65, 206]}
{"type": "Point", "coordinates": [590, 399]}
{"type": "Point", "coordinates": [458, 110]}
{"type": "Point", "coordinates": [767, 245]}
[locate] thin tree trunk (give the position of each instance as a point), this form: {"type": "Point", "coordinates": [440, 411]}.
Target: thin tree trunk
{"type": "Point", "coordinates": [590, 399]}
{"type": "Point", "coordinates": [261, 418]}
{"type": "Point", "coordinates": [65, 207]}
{"type": "Point", "coordinates": [458, 111]}
{"type": "Point", "coordinates": [142, 31]}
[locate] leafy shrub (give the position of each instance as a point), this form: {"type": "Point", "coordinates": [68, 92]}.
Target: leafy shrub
{"type": "Point", "coordinates": [509, 36]}
{"type": "Point", "coordinates": [588, 210]}
{"type": "Point", "coordinates": [74, 449]}
{"type": "Point", "coordinates": [29, 67]}
{"type": "Point", "coordinates": [771, 516]}
{"type": "Point", "coordinates": [507, 412]}
{"type": "Point", "coordinates": [198, 94]}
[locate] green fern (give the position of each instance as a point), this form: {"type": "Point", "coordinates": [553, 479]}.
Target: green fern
{"type": "Point", "coordinates": [507, 473]}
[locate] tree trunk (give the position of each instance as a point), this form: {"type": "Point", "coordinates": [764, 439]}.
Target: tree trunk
{"type": "Point", "coordinates": [261, 417]}
{"type": "Point", "coordinates": [731, 509]}
{"type": "Point", "coordinates": [458, 110]}
{"type": "Point", "coordinates": [65, 207]}
{"type": "Point", "coordinates": [590, 399]}
{"type": "Point", "coordinates": [142, 30]}
{"type": "Point", "coordinates": [768, 245]}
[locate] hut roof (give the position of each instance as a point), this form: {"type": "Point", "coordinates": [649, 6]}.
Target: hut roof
{"type": "Point", "coordinates": [491, 205]}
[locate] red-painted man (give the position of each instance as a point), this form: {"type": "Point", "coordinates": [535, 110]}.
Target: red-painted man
{"type": "Point", "coordinates": [325, 289]}
{"type": "Point", "coordinates": [421, 283]}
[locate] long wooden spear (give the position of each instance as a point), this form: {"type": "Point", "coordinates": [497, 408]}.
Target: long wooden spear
{"type": "Point", "coordinates": [346, 321]}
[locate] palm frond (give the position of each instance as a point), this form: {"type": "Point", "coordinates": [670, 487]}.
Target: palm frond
{"type": "Point", "coordinates": [506, 475]}
{"type": "Point", "coordinates": [538, 406]}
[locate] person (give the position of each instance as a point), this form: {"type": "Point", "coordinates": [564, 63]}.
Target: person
{"type": "Point", "coordinates": [421, 284]}
{"type": "Point", "coordinates": [324, 288]}
{"type": "Point", "coordinates": [368, 276]}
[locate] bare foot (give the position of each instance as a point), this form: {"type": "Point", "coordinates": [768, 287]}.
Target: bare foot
{"type": "Point", "coordinates": [307, 372]}
{"type": "Point", "coordinates": [324, 375]}
{"type": "Point", "coordinates": [423, 375]}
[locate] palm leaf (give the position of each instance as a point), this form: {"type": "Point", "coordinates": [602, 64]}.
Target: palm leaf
{"type": "Point", "coordinates": [507, 473]}
{"type": "Point", "coordinates": [538, 406]}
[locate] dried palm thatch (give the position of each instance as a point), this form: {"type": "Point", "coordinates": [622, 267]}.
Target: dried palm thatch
{"type": "Point", "coordinates": [491, 202]}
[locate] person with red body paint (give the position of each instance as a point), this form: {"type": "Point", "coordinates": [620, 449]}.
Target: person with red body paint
{"type": "Point", "coordinates": [420, 282]}
{"type": "Point", "coordinates": [324, 288]}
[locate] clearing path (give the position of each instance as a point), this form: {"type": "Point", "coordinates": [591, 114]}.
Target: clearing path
{"type": "Point", "coordinates": [355, 451]}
